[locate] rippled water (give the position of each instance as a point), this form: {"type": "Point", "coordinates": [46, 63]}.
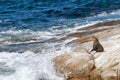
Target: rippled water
{"type": "Point", "coordinates": [42, 14]}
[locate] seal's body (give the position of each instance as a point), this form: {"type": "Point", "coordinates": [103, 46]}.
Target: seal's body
{"type": "Point", "coordinates": [97, 46]}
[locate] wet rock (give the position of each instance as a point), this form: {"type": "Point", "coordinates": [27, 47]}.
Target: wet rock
{"type": "Point", "coordinates": [84, 37]}
{"type": "Point", "coordinates": [102, 25]}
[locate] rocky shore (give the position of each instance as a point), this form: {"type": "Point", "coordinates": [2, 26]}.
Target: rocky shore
{"type": "Point", "coordinates": [81, 64]}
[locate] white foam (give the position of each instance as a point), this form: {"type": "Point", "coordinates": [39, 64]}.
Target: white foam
{"type": "Point", "coordinates": [30, 66]}
{"type": "Point", "coordinates": [15, 36]}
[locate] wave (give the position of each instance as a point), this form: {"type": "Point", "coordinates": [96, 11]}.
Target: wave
{"type": "Point", "coordinates": [14, 35]}
{"type": "Point", "coordinates": [31, 66]}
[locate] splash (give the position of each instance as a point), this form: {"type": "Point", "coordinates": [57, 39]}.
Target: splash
{"type": "Point", "coordinates": [30, 66]}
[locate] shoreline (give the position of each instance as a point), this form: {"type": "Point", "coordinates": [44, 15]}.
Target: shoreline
{"type": "Point", "coordinates": [79, 65]}
{"type": "Point", "coordinates": [104, 28]}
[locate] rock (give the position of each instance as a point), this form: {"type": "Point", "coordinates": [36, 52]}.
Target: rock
{"type": "Point", "coordinates": [87, 36]}
{"type": "Point", "coordinates": [77, 77]}
{"type": "Point", "coordinates": [102, 25]}
{"type": "Point", "coordinates": [101, 74]}
{"type": "Point", "coordinates": [74, 65]}
{"type": "Point", "coordinates": [109, 74]}
{"type": "Point", "coordinates": [80, 64]}
{"type": "Point", "coordinates": [96, 74]}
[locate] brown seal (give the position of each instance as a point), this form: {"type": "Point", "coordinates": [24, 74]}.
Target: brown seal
{"type": "Point", "coordinates": [97, 46]}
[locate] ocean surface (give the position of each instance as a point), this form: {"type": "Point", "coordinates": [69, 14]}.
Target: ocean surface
{"type": "Point", "coordinates": [30, 33]}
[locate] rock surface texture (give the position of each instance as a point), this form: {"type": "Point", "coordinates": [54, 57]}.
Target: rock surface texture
{"type": "Point", "coordinates": [80, 64]}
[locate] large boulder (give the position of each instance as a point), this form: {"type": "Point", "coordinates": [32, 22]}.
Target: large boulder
{"type": "Point", "coordinates": [75, 65]}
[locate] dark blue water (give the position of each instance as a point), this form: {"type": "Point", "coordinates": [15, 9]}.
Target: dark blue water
{"type": "Point", "coordinates": [42, 14]}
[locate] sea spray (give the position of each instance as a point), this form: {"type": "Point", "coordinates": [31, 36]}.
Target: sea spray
{"type": "Point", "coordinates": [31, 66]}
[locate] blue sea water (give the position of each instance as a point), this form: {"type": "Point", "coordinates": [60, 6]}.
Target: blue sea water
{"type": "Point", "coordinates": [43, 14]}
{"type": "Point", "coordinates": [27, 20]}
{"type": "Point", "coordinates": [30, 31]}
